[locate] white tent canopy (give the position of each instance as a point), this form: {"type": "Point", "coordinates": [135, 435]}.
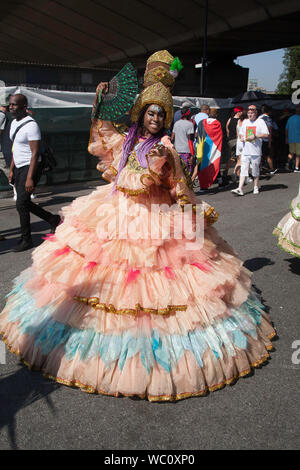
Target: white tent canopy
{"type": "Point", "coordinates": [40, 98]}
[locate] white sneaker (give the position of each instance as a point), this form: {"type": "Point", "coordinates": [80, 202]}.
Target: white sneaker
{"type": "Point", "coordinates": [297, 170]}
{"type": "Point", "coordinates": [32, 196]}
{"type": "Point", "coordinates": [238, 192]}
{"type": "Point", "coordinates": [255, 190]}
{"type": "Point", "coordinates": [273, 171]}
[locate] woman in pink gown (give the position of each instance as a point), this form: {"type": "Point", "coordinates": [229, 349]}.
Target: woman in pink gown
{"type": "Point", "coordinates": [288, 229]}
{"type": "Point", "coordinates": [119, 301]}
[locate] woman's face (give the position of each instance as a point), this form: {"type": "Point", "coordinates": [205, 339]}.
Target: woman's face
{"type": "Point", "coordinates": [154, 119]}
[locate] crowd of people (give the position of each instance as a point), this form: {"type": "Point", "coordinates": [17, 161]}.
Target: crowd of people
{"type": "Point", "coordinates": [254, 142]}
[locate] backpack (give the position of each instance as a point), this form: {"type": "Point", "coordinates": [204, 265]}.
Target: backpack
{"type": "Point", "coordinates": [47, 159]}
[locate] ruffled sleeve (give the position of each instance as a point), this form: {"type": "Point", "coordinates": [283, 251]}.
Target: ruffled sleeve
{"type": "Point", "coordinates": [179, 186]}
{"type": "Point", "coordinates": [106, 143]}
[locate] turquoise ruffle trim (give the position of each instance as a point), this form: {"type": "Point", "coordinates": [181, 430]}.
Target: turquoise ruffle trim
{"type": "Point", "coordinates": [166, 350]}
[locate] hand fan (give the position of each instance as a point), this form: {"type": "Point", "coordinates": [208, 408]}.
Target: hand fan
{"type": "Point", "coordinates": [122, 91]}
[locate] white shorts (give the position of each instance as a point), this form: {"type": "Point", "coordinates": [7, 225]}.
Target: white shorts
{"type": "Point", "coordinates": [248, 160]}
{"type": "Point", "coordinates": [239, 148]}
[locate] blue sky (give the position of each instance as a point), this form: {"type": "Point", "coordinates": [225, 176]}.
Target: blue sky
{"type": "Point", "coordinates": [265, 66]}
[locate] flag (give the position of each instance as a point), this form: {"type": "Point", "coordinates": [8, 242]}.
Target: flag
{"type": "Point", "coordinates": [209, 146]}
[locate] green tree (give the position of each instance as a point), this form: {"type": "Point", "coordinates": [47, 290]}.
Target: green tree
{"type": "Point", "coordinates": [291, 71]}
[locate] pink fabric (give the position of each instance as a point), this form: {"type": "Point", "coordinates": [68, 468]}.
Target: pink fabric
{"type": "Point", "coordinates": [145, 270]}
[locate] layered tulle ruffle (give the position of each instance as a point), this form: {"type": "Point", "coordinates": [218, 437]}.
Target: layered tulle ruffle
{"type": "Point", "coordinates": [135, 316]}
{"type": "Point", "coordinates": [288, 229]}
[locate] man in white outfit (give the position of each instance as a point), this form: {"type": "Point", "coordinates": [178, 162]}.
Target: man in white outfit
{"type": "Point", "coordinates": [24, 169]}
{"type": "Point", "coordinates": [253, 131]}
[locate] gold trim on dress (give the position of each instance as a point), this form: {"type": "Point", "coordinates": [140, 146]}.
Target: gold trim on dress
{"type": "Point", "coordinates": [211, 215]}
{"type": "Point", "coordinates": [146, 176]}
{"type": "Point", "coordinates": [152, 398]}
{"type": "Point", "coordinates": [94, 302]}
{"type": "Point", "coordinates": [133, 192]}
{"type": "Point", "coordinates": [100, 134]}
{"type": "Point", "coordinates": [113, 170]}
{"type": "Point", "coordinates": [121, 128]}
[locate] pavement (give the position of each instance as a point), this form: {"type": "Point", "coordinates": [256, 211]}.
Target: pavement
{"type": "Point", "coordinates": [258, 412]}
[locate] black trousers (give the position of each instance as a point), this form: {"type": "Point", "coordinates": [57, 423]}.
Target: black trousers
{"type": "Point", "coordinates": [24, 204]}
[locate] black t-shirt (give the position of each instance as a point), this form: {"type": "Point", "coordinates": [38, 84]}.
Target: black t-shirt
{"type": "Point", "coordinates": [232, 128]}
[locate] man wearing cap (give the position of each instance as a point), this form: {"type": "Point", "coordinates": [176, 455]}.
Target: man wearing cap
{"type": "Point", "coordinates": [253, 131]}
{"type": "Point", "coordinates": [177, 114]}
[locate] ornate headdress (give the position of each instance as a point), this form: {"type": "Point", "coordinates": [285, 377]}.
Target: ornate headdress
{"type": "Point", "coordinates": [159, 79]}
{"type": "Point", "coordinates": [160, 56]}
{"type": "Point", "coordinates": [159, 74]}
{"type": "Point", "coordinates": [154, 94]}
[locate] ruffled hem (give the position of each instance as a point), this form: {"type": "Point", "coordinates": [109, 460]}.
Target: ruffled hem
{"type": "Point", "coordinates": [152, 398]}
{"type": "Point", "coordinates": [285, 244]}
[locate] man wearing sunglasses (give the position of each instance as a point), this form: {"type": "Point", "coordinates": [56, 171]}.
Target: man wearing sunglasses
{"type": "Point", "coordinates": [252, 132]}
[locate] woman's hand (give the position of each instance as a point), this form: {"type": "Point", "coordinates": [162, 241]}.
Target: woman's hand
{"type": "Point", "coordinates": [102, 88]}
{"type": "Point", "coordinates": [195, 173]}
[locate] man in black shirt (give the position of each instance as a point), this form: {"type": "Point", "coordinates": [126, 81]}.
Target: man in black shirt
{"type": "Point", "coordinates": [232, 138]}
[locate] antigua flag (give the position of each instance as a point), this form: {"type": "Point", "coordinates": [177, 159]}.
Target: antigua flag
{"type": "Point", "coordinates": [209, 146]}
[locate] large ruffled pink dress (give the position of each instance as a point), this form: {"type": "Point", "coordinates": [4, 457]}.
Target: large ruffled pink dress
{"type": "Point", "coordinates": [288, 229]}
{"type": "Point", "coordinates": [111, 308]}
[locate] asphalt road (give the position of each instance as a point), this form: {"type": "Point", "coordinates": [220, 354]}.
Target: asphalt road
{"type": "Point", "coordinates": [258, 412]}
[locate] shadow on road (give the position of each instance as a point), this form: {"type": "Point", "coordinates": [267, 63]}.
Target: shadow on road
{"type": "Point", "coordinates": [53, 200]}
{"type": "Point", "coordinates": [12, 236]}
{"type": "Point", "coordinates": [294, 265]}
{"type": "Point", "coordinates": [272, 187]}
{"type": "Point", "coordinates": [254, 264]}
{"type": "Point", "coordinates": [231, 185]}
{"type": "Point", "coordinates": [19, 390]}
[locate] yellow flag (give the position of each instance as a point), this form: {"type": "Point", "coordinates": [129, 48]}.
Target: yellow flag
{"type": "Point", "coordinates": [200, 145]}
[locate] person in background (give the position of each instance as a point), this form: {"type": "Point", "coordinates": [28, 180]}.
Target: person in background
{"type": "Point", "coordinates": [267, 151]}
{"type": "Point", "coordinates": [197, 118]}
{"type": "Point", "coordinates": [203, 114]}
{"type": "Point", "coordinates": [239, 146]}
{"type": "Point", "coordinates": [275, 143]}
{"type": "Point", "coordinates": [209, 148]}
{"type": "Point", "coordinates": [183, 138]}
{"type": "Point", "coordinates": [254, 130]}
{"type": "Point", "coordinates": [5, 141]}
{"type": "Point", "coordinates": [231, 127]}
{"type": "Point", "coordinates": [25, 135]}
{"type": "Point", "coordinates": [283, 147]}
{"type": "Point", "coordinates": [293, 138]}
{"type": "Point", "coordinates": [177, 114]}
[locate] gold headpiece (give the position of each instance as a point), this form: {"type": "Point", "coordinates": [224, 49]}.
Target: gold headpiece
{"type": "Point", "coordinates": [159, 74]}
{"type": "Point", "coordinates": [154, 94]}
{"type": "Point", "coordinates": [161, 56]}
